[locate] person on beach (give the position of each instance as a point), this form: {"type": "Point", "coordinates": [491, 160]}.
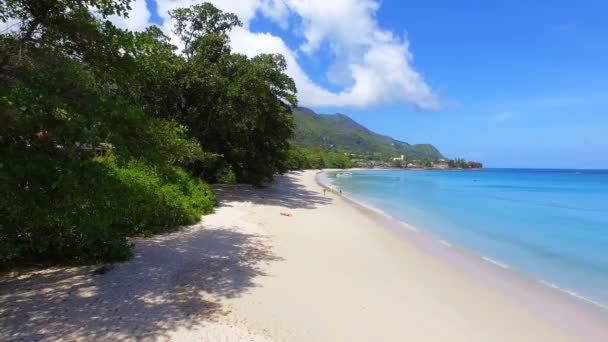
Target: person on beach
{"type": "Point", "coordinates": [324, 190]}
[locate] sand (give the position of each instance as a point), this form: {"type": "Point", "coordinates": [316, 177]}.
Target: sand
{"type": "Point", "coordinates": [326, 271]}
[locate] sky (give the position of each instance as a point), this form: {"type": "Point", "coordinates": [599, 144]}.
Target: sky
{"type": "Point", "coordinates": [508, 83]}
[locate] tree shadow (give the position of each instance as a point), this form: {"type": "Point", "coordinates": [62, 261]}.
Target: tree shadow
{"type": "Point", "coordinates": [173, 281]}
{"type": "Point", "coordinates": [285, 191]}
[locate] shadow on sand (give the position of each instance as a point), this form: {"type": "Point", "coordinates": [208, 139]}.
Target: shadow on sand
{"type": "Point", "coordinates": [173, 281]}
{"type": "Point", "coordinates": [284, 191]}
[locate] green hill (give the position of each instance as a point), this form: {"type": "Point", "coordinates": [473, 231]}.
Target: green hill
{"type": "Point", "coordinates": [340, 133]}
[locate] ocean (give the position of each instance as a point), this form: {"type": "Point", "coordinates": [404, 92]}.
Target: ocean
{"type": "Point", "coordinates": [549, 224]}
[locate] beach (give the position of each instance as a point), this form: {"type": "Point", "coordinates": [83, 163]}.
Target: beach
{"type": "Point", "coordinates": [288, 263]}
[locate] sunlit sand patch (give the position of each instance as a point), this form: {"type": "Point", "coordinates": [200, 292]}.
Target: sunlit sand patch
{"type": "Point", "coordinates": [87, 292]}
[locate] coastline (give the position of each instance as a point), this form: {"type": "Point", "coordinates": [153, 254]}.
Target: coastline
{"type": "Point", "coordinates": [393, 224]}
{"type": "Point", "coordinates": [285, 263]}
{"type": "Point", "coordinates": [530, 290]}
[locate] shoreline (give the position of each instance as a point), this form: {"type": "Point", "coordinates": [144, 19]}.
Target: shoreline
{"type": "Point", "coordinates": [286, 263]}
{"type": "Point", "coordinates": [433, 243]}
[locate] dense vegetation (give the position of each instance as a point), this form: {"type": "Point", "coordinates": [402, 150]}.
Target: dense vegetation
{"type": "Point", "coordinates": [460, 163]}
{"type": "Point", "coordinates": [340, 133]}
{"type": "Point", "coordinates": [301, 158]}
{"type": "Point", "coordinates": [106, 133]}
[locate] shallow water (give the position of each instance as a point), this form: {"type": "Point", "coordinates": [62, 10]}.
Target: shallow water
{"type": "Point", "coordinates": [552, 224]}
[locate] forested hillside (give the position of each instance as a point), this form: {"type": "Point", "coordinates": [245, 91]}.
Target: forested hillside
{"type": "Point", "coordinates": [338, 132]}
{"type": "Point", "coordinates": [106, 133]}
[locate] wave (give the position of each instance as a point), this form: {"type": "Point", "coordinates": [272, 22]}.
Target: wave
{"type": "Point", "coordinates": [573, 294]}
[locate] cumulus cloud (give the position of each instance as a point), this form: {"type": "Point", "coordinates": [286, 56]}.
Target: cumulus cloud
{"type": "Point", "coordinates": [372, 66]}
{"type": "Point", "coordinates": [138, 20]}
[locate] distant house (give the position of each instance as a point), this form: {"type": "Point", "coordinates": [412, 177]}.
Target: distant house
{"type": "Point", "coordinates": [441, 164]}
{"type": "Point", "coordinates": [399, 158]}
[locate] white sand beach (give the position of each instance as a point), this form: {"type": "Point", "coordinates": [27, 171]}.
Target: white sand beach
{"type": "Point", "coordinates": [286, 263]}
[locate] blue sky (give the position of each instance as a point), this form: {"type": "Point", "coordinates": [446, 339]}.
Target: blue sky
{"type": "Point", "coordinates": [509, 83]}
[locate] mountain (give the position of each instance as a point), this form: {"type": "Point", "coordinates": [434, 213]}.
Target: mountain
{"type": "Point", "coordinates": [341, 133]}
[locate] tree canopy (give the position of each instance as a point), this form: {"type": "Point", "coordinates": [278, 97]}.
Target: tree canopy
{"type": "Point", "coordinates": [106, 133]}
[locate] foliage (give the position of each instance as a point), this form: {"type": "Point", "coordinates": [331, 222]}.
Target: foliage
{"type": "Point", "coordinates": [396, 163]}
{"type": "Point", "coordinates": [460, 163]}
{"type": "Point", "coordinates": [226, 176]}
{"type": "Point", "coordinates": [199, 22]}
{"type": "Point", "coordinates": [98, 125]}
{"type": "Point", "coordinates": [299, 158]}
{"type": "Point", "coordinates": [338, 132]}
{"type": "Point", "coordinates": [60, 202]}
{"type": "Point", "coordinates": [157, 197]}
{"type": "Point", "coordinates": [425, 163]}
{"type": "Point", "coordinates": [61, 208]}
{"type": "Point", "coordinates": [237, 108]}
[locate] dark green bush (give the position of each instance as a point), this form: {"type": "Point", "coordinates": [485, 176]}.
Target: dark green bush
{"type": "Point", "coordinates": [226, 176]}
{"type": "Point", "coordinates": [62, 209]}
{"type": "Point", "coordinates": [153, 197]}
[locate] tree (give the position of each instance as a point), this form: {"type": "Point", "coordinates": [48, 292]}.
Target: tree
{"type": "Point", "coordinates": [83, 165]}
{"type": "Point", "coordinates": [396, 163]}
{"type": "Point", "coordinates": [426, 163]}
{"type": "Point", "coordinates": [196, 24]}
{"type": "Point", "coordinates": [97, 125]}
{"type": "Point", "coordinates": [237, 107]}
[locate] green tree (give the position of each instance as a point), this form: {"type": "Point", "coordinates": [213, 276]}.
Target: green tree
{"type": "Point", "coordinates": [396, 163]}
{"type": "Point", "coordinates": [237, 107]}
{"type": "Point", "coordinates": [200, 23]}
{"type": "Point", "coordinates": [82, 165]}
{"type": "Point", "coordinates": [426, 163]}
{"type": "Point", "coordinates": [96, 124]}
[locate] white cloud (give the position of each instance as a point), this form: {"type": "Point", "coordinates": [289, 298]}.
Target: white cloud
{"type": "Point", "coordinates": [372, 66]}
{"type": "Point", "coordinates": [11, 25]}
{"type": "Point", "coordinates": [138, 20]}
{"type": "Point", "coordinates": [346, 24]}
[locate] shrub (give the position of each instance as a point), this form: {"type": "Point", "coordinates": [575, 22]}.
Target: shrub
{"type": "Point", "coordinates": [154, 198]}
{"type": "Point", "coordinates": [226, 175]}
{"type": "Point", "coordinates": [64, 209]}
{"type": "Point", "coordinates": [300, 158]}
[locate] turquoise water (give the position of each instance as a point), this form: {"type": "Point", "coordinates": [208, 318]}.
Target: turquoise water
{"type": "Point", "coordinates": [552, 224]}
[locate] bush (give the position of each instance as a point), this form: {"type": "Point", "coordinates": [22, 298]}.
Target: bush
{"type": "Point", "coordinates": [299, 158]}
{"type": "Point", "coordinates": [150, 198]}
{"type": "Point", "coordinates": [296, 159]}
{"type": "Point", "coordinates": [64, 209]}
{"type": "Point", "coordinates": [226, 175]}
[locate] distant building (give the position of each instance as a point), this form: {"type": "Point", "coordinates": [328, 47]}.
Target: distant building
{"type": "Point", "coordinates": [399, 158]}
{"type": "Point", "coordinates": [441, 164]}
